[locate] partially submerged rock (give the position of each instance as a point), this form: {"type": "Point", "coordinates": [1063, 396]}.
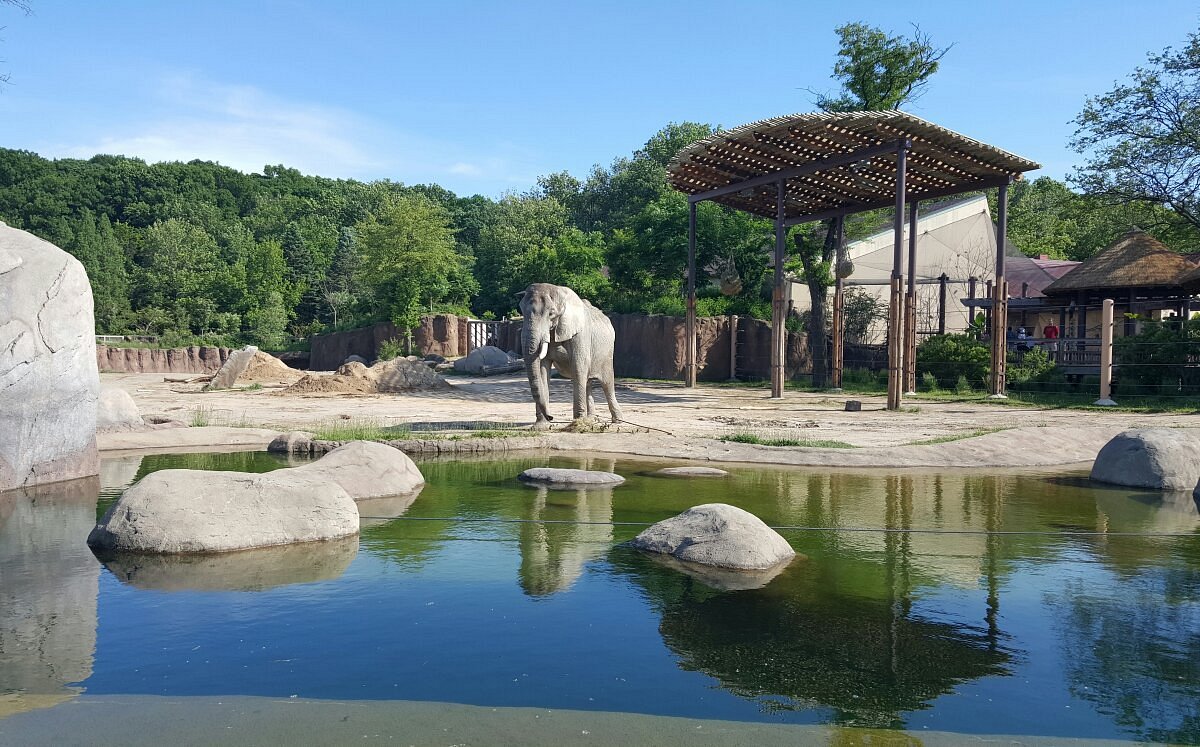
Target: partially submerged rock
{"type": "Point", "coordinates": [717, 534]}
{"type": "Point", "coordinates": [295, 442]}
{"type": "Point", "coordinates": [569, 478]}
{"type": "Point", "coordinates": [116, 411]}
{"type": "Point", "coordinates": [724, 579]}
{"type": "Point", "coordinates": [49, 384]}
{"type": "Point", "coordinates": [1158, 458]}
{"type": "Point", "coordinates": [690, 472]}
{"type": "Point", "coordinates": [199, 511]}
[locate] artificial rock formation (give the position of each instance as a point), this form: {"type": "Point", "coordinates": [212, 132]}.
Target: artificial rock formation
{"type": "Point", "coordinates": [486, 359]}
{"type": "Point", "coordinates": [49, 384]}
{"type": "Point", "coordinates": [690, 472]}
{"type": "Point", "coordinates": [195, 511]}
{"type": "Point", "coordinates": [1157, 458]}
{"type": "Point", "coordinates": [116, 411]}
{"type": "Point", "coordinates": [720, 535]}
{"type": "Point", "coordinates": [252, 366]}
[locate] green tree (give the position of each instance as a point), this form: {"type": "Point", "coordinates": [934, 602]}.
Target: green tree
{"type": "Point", "coordinates": [407, 258]}
{"type": "Point", "coordinates": [1142, 138]}
{"type": "Point", "coordinates": [876, 72]}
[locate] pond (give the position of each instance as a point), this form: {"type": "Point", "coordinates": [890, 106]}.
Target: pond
{"type": "Point", "coordinates": [1019, 604]}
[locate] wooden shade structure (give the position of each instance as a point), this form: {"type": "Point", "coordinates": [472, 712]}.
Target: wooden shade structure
{"type": "Point", "coordinates": [811, 167]}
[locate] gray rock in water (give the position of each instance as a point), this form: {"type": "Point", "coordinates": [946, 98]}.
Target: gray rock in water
{"type": "Point", "coordinates": [49, 383]}
{"type": "Point", "coordinates": [1158, 458]}
{"type": "Point", "coordinates": [191, 511]}
{"type": "Point", "coordinates": [116, 411]}
{"type": "Point", "coordinates": [569, 478]}
{"type": "Point", "coordinates": [690, 472]}
{"type": "Point", "coordinates": [295, 442]}
{"type": "Point", "coordinates": [719, 535]}
{"type": "Point", "coordinates": [480, 359]}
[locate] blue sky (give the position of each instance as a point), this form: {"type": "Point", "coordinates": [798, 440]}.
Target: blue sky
{"type": "Point", "coordinates": [484, 97]}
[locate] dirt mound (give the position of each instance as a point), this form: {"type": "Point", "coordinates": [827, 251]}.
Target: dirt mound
{"type": "Point", "coordinates": [385, 377]}
{"type": "Point", "coordinates": [265, 368]}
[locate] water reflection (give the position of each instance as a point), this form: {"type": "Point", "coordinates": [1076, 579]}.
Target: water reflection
{"type": "Point", "coordinates": [48, 588]}
{"type": "Point", "coordinates": [553, 555]}
{"type": "Point", "coordinates": [244, 570]}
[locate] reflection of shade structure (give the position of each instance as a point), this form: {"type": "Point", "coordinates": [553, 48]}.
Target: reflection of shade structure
{"type": "Point", "coordinates": [244, 570]}
{"type": "Point", "coordinates": [553, 555]}
{"type": "Point", "coordinates": [48, 587]}
{"type": "Point", "coordinates": [793, 646]}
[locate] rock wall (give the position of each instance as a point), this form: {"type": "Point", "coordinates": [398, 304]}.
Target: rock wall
{"type": "Point", "coordinates": [437, 334]}
{"type": "Point", "coordinates": [49, 384]}
{"type": "Point", "coordinates": [195, 359]}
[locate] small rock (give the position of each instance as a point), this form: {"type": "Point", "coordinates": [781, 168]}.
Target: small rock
{"type": "Point", "coordinates": [720, 535]}
{"type": "Point", "coordinates": [690, 472]}
{"type": "Point", "coordinates": [116, 411]}
{"type": "Point", "coordinates": [553, 477]}
{"type": "Point", "coordinates": [296, 442]}
{"type": "Point", "coordinates": [853, 405]}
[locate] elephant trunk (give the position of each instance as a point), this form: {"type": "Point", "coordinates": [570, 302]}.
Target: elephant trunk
{"type": "Point", "coordinates": [537, 340]}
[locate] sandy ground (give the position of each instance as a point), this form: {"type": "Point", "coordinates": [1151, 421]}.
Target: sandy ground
{"type": "Point", "coordinates": [683, 422]}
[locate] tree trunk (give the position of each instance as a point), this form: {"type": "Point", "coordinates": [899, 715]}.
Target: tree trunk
{"type": "Point", "coordinates": [818, 293]}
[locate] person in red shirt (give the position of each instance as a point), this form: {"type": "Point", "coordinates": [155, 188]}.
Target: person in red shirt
{"type": "Point", "coordinates": [1050, 332]}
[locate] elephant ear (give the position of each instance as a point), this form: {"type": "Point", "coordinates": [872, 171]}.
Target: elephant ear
{"type": "Point", "coordinates": [573, 317]}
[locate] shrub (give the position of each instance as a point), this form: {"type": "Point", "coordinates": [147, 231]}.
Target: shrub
{"type": "Point", "coordinates": [962, 386]}
{"type": "Point", "coordinates": [1161, 359]}
{"type": "Point", "coordinates": [929, 382]}
{"type": "Point", "coordinates": [950, 358]}
{"type": "Point", "coordinates": [389, 349]}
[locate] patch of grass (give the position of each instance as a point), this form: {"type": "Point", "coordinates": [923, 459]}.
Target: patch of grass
{"type": "Point", "coordinates": [955, 437]}
{"type": "Point", "coordinates": [201, 417]}
{"type": "Point", "coordinates": [816, 443]}
{"type": "Point", "coordinates": [360, 429]}
{"type": "Point", "coordinates": [252, 387]}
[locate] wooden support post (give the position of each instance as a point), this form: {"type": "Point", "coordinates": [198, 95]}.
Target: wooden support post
{"type": "Point", "coordinates": [779, 308]}
{"type": "Point", "coordinates": [910, 306]}
{"type": "Point", "coordinates": [1000, 301]}
{"type": "Point", "coordinates": [896, 302]}
{"type": "Point", "coordinates": [839, 332]}
{"type": "Point", "coordinates": [1106, 356]}
{"type": "Point", "coordinates": [733, 346]}
{"type": "Point", "coordinates": [943, 287]}
{"type": "Point", "coordinates": [689, 371]}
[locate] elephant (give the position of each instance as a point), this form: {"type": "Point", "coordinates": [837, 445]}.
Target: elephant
{"type": "Point", "coordinates": [562, 329]}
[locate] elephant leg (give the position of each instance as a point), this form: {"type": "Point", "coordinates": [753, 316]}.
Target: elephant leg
{"type": "Point", "coordinates": [580, 390]}
{"type": "Point", "coordinates": [539, 388]}
{"type": "Point", "coordinates": [608, 385]}
{"type": "Point", "coordinates": [591, 403]}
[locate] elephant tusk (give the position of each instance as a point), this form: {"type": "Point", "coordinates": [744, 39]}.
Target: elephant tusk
{"type": "Point", "coordinates": [544, 349]}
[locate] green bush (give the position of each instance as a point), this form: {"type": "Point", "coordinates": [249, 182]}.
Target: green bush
{"type": "Point", "coordinates": [1034, 368]}
{"type": "Point", "coordinates": [962, 386]}
{"type": "Point", "coordinates": [389, 349]}
{"type": "Point", "coordinates": [1161, 360]}
{"type": "Point", "coordinates": [929, 382]}
{"type": "Point", "coordinates": [950, 358]}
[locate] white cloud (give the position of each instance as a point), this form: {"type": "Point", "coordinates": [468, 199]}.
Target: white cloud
{"type": "Point", "coordinates": [247, 128]}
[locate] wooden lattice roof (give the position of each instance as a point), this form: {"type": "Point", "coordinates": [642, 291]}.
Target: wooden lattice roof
{"type": "Point", "coordinates": [1136, 260]}
{"type": "Point", "coordinates": [940, 162]}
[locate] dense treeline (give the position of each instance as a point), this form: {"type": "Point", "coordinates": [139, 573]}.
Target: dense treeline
{"type": "Point", "coordinates": [200, 250]}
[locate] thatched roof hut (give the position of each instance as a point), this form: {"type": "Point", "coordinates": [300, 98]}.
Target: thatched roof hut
{"type": "Point", "coordinates": [1137, 260]}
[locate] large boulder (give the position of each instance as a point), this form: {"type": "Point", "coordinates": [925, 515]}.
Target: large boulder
{"type": "Point", "coordinates": [719, 535]}
{"type": "Point", "coordinates": [190, 511]}
{"type": "Point", "coordinates": [552, 477]}
{"type": "Point", "coordinates": [193, 511]}
{"type": "Point", "coordinates": [49, 384]}
{"type": "Point", "coordinates": [483, 360]}
{"type": "Point", "coordinates": [252, 366]}
{"type": "Point", "coordinates": [1157, 458]}
{"type": "Point", "coordinates": [116, 411]}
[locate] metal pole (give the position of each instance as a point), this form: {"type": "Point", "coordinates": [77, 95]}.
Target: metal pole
{"type": "Point", "coordinates": [778, 334]}
{"type": "Point", "coordinates": [1106, 357]}
{"type": "Point", "coordinates": [733, 346]}
{"type": "Point", "coordinates": [896, 303]}
{"type": "Point", "coordinates": [689, 372]}
{"type": "Point", "coordinates": [943, 286]}
{"type": "Point", "coordinates": [910, 306]}
{"type": "Point", "coordinates": [1000, 300]}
